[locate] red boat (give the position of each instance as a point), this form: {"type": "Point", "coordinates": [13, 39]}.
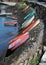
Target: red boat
{"type": "Point", "coordinates": [19, 40]}
{"type": "Point", "coordinates": [10, 23]}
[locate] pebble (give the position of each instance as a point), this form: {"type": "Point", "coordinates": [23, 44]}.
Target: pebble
{"type": "Point", "coordinates": [44, 48]}
{"type": "Point", "coordinates": [21, 64]}
{"type": "Point", "coordinates": [43, 59]}
{"type": "Point", "coordinates": [42, 63]}
{"type": "Point", "coordinates": [26, 62]}
{"type": "Point", "coordinates": [12, 64]}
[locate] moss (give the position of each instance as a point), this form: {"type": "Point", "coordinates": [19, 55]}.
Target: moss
{"type": "Point", "coordinates": [35, 60]}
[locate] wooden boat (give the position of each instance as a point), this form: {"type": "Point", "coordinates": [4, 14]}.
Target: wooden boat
{"type": "Point", "coordinates": [32, 25]}
{"type": "Point", "coordinates": [29, 15]}
{"type": "Point", "coordinates": [19, 40]}
{"type": "Point", "coordinates": [25, 8]}
{"type": "Point", "coordinates": [10, 23]}
{"type": "Point", "coordinates": [28, 22]}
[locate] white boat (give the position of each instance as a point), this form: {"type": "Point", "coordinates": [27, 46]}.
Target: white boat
{"type": "Point", "coordinates": [5, 14]}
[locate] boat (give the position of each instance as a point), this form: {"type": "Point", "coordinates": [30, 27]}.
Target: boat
{"type": "Point", "coordinates": [10, 23]}
{"type": "Point", "coordinates": [25, 8]}
{"type": "Point", "coordinates": [19, 40]}
{"type": "Point", "coordinates": [29, 15]}
{"type": "Point", "coordinates": [32, 25]}
{"type": "Point", "coordinates": [5, 14]}
{"type": "Point", "coordinates": [28, 22]}
{"type": "Point", "coordinates": [21, 6]}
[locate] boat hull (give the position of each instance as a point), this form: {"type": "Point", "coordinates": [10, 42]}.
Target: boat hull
{"type": "Point", "coordinates": [28, 22]}
{"type": "Point", "coordinates": [19, 40]}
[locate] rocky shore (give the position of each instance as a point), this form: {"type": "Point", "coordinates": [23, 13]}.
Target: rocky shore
{"type": "Point", "coordinates": [23, 54]}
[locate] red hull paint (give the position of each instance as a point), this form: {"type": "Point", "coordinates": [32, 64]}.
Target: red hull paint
{"type": "Point", "coordinates": [10, 23]}
{"type": "Point", "coordinates": [21, 39]}
{"type": "Point", "coordinates": [19, 36]}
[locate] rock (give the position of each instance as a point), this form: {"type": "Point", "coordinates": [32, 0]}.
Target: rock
{"type": "Point", "coordinates": [26, 62]}
{"type": "Point", "coordinates": [21, 63]}
{"type": "Point", "coordinates": [32, 39]}
{"type": "Point", "coordinates": [12, 64]}
{"type": "Point", "coordinates": [42, 63]}
{"type": "Point", "coordinates": [43, 57]}
{"type": "Point", "coordinates": [44, 48]}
